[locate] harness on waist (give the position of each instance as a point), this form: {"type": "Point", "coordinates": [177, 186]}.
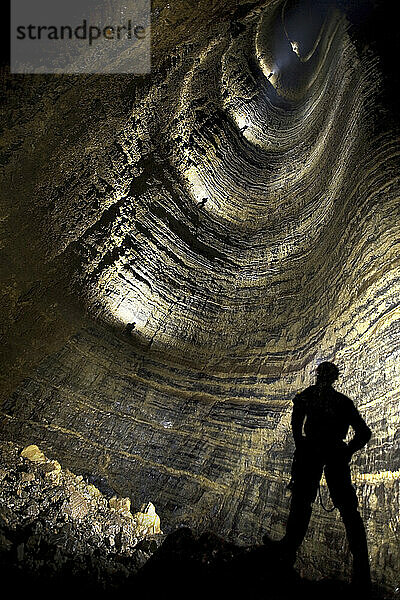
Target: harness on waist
{"type": "Point", "coordinates": [292, 480]}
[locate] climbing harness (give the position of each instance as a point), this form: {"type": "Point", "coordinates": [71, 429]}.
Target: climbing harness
{"type": "Point", "coordinates": [290, 485]}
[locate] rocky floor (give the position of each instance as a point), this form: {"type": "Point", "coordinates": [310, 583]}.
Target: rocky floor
{"type": "Point", "coordinates": [59, 532]}
{"type": "Point", "coordinates": [217, 569]}
{"type": "Point", "coordinates": [56, 526]}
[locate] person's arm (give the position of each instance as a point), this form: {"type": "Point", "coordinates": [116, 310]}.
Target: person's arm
{"type": "Point", "coordinates": [298, 416]}
{"type": "Point", "coordinates": [362, 433]}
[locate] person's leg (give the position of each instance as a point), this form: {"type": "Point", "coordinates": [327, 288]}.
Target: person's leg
{"type": "Point", "coordinates": [344, 497]}
{"type": "Point", "coordinates": [306, 476]}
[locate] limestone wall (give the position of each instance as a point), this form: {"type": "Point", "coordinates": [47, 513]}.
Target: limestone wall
{"type": "Point", "coordinates": [183, 248]}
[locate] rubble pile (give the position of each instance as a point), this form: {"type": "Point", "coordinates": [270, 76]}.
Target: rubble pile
{"type": "Point", "coordinates": [54, 524]}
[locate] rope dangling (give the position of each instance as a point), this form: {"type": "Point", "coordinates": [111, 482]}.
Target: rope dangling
{"type": "Point", "coordinates": [328, 510]}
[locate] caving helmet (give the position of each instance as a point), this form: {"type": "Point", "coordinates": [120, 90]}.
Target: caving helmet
{"type": "Point", "coordinates": [327, 371]}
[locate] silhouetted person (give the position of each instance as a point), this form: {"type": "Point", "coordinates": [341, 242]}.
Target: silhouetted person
{"type": "Point", "coordinates": [326, 415]}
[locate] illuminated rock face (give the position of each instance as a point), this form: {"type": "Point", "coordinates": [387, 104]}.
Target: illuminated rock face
{"type": "Point", "coordinates": [198, 241]}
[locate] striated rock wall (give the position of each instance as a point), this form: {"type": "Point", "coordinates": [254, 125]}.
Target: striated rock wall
{"type": "Point", "coordinates": [199, 240]}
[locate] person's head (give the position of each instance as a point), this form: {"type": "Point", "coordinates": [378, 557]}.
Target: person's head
{"type": "Point", "coordinates": [327, 372]}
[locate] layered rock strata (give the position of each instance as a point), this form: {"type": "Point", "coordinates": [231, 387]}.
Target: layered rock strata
{"type": "Point", "coordinates": [215, 230]}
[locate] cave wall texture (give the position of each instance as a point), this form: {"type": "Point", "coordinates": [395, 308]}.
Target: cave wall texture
{"type": "Point", "coordinates": [181, 249]}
